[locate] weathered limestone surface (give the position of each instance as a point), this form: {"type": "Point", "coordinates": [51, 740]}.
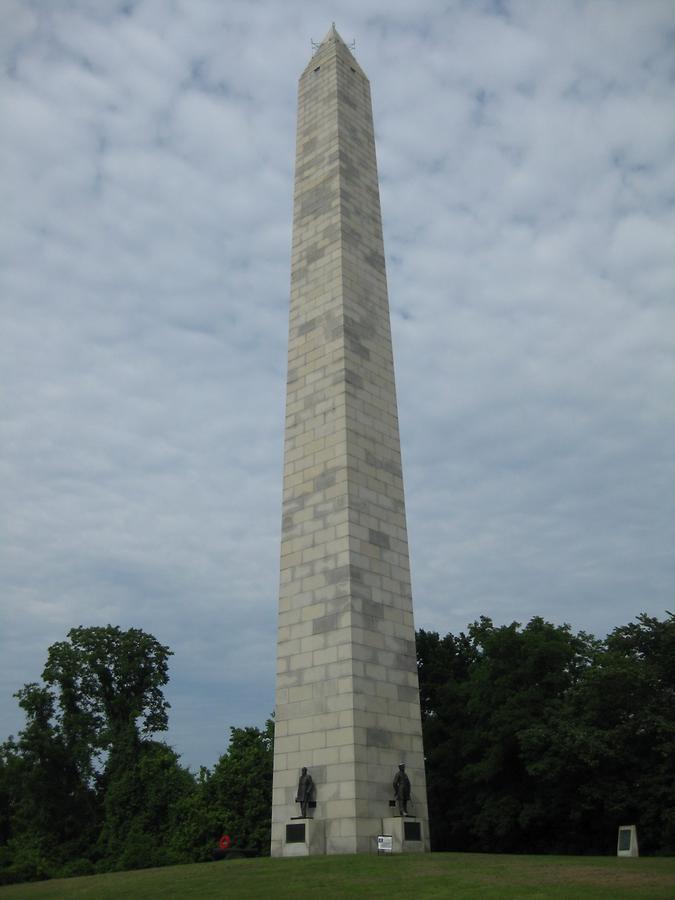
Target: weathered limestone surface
{"type": "Point", "coordinates": [347, 703]}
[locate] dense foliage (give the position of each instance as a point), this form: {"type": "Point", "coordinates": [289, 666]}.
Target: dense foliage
{"type": "Point", "coordinates": [85, 788]}
{"type": "Point", "coordinates": [537, 740]}
{"type": "Point", "coordinates": [541, 740]}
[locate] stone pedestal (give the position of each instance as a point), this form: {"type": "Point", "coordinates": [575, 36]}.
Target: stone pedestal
{"type": "Point", "coordinates": [409, 835]}
{"type": "Point", "coordinates": [303, 837]}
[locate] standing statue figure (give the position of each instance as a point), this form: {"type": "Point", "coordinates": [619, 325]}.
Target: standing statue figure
{"type": "Point", "coordinates": [305, 787]}
{"type": "Point", "coordinates": [402, 790]}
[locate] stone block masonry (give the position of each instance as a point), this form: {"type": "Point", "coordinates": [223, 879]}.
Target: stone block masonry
{"type": "Point", "coordinates": [347, 700]}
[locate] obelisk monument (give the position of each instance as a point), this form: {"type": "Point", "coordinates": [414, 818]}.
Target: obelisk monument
{"type": "Point", "coordinates": [347, 701]}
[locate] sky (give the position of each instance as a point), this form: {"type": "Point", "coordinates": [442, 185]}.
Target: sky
{"type": "Point", "coordinates": [526, 153]}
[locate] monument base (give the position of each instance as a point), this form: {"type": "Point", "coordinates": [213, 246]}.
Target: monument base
{"type": "Point", "coordinates": [304, 837]}
{"type": "Point", "coordinates": [407, 834]}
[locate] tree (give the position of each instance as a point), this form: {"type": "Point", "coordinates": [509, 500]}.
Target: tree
{"type": "Point", "coordinates": [542, 740]}
{"type": "Point", "coordinates": [444, 667]}
{"type": "Point", "coordinates": [520, 677]}
{"type": "Point", "coordinates": [142, 796]}
{"type": "Point", "coordinates": [109, 687]}
{"type": "Point", "coordinates": [648, 645]}
{"type": "Point", "coordinates": [608, 755]}
{"type": "Point", "coordinates": [238, 792]}
{"type": "Point", "coordinates": [234, 798]}
{"type": "Point", "coordinates": [499, 681]}
{"type": "Point", "coordinates": [86, 734]}
{"type": "Point", "coordinates": [50, 810]}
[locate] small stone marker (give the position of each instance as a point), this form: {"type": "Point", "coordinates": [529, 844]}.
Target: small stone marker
{"type": "Point", "coordinates": [627, 842]}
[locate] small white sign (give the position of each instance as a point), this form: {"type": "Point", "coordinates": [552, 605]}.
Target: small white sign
{"type": "Point", "coordinates": [385, 843]}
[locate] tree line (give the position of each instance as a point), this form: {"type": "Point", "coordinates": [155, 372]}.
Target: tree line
{"type": "Point", "coordinates": [86, 787]}
{"type": "Point", "coordinates": [537, 739]}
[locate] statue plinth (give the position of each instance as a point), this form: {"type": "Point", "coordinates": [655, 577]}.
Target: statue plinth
{"type": "Point", "coordinates": [408, 833]}
{"type": "Point", "coordinates": [304, 837]}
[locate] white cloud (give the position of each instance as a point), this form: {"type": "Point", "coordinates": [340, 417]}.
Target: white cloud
{"type": "Point", "coordinates": [526, 161]}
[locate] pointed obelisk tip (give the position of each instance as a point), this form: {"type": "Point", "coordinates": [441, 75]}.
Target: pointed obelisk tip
{"type": "Point", "coordinates": [334, 38]}
{"type": "Point", "coordinates": [332, 34]}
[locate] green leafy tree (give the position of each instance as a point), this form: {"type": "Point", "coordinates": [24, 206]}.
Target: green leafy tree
{"type": "Point", "coordinates": [444, 667]}
{"type": "Point", "coordinates": [607, 756]}
{"type": "Point", "coordinates": [499, 682]}
{"type": "Point", "coordinates": [9, 766]}
{"type": "Point", "coordinates": [109, 687]}
{"type": "Point", "coordinates": [144, 788]}
{"type": "Point", "coordinates": [49, 811]}
{"type": "Point", "coordinates": [648, 646]}
{"type": "Point", "coordinates": [86, 735]}
{"type": "Point", "coordinates": [241, 786]}
{"type": "Point", "coordinates": [520, 677]}
{"type": "Point", "coordinates": [235, 798]}
{"type": "Point", "coordinates": [540, 739]}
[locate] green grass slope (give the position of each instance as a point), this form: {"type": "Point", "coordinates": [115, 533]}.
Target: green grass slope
{"type": "Point", "coordinates": [456, 875]}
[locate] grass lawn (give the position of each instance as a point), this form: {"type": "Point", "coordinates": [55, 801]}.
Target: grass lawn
{"type": "Point", "coordinates": [455, 875]}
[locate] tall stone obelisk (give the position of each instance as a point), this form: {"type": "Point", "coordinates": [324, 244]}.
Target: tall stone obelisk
{"type": "Point", "coordinates": [347, 702]}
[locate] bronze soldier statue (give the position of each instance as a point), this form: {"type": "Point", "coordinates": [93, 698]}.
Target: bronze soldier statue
{"type": "Point", "coordinates": [402, 790]}
{"type": "Point", "coordinates": [305, 787]}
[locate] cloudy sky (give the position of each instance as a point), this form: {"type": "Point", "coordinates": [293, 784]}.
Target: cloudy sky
{"type": "Point", "coordinates": [527, 164]}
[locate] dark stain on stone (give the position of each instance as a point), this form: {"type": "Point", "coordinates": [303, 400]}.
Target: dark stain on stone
{"type": "Point", "coordinates": [344, 573]}
{"type": "Point", "coordinates": [348, 377]}
{"type": "Point", "coordinates": [407, 694]}
{"type": "Point", "coordinates": [325, 623]}
{"type": "Point", "coordinates": [325, 480]}
{"type": "Point", "coordinates": [377, 737]}
{"type": "Point", "coordinates": [314, 253]}
{"type": "Point", "coordinates": [356, 347]}
{"type": "Point", "coordinates": [317, 199]}
{"type": "Point", "coordinates": [297, 503]}
{"type": "Point", "coordinates": [375, 259]}
{"type": "Point", "coordinates": [404, 662]}
{"type": "Point", "coordinates": [390, 466]}
{"type": "Point", "coordinates": [353, 378]}
{"type": "Point", "coordinates": [335, 576]}
{"type": "Point", "coordinates": [372, 609]}
{"type": "Point", "coordinates": [307, 326]}
{"type": "Point", "coordinates": [379, 538]}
